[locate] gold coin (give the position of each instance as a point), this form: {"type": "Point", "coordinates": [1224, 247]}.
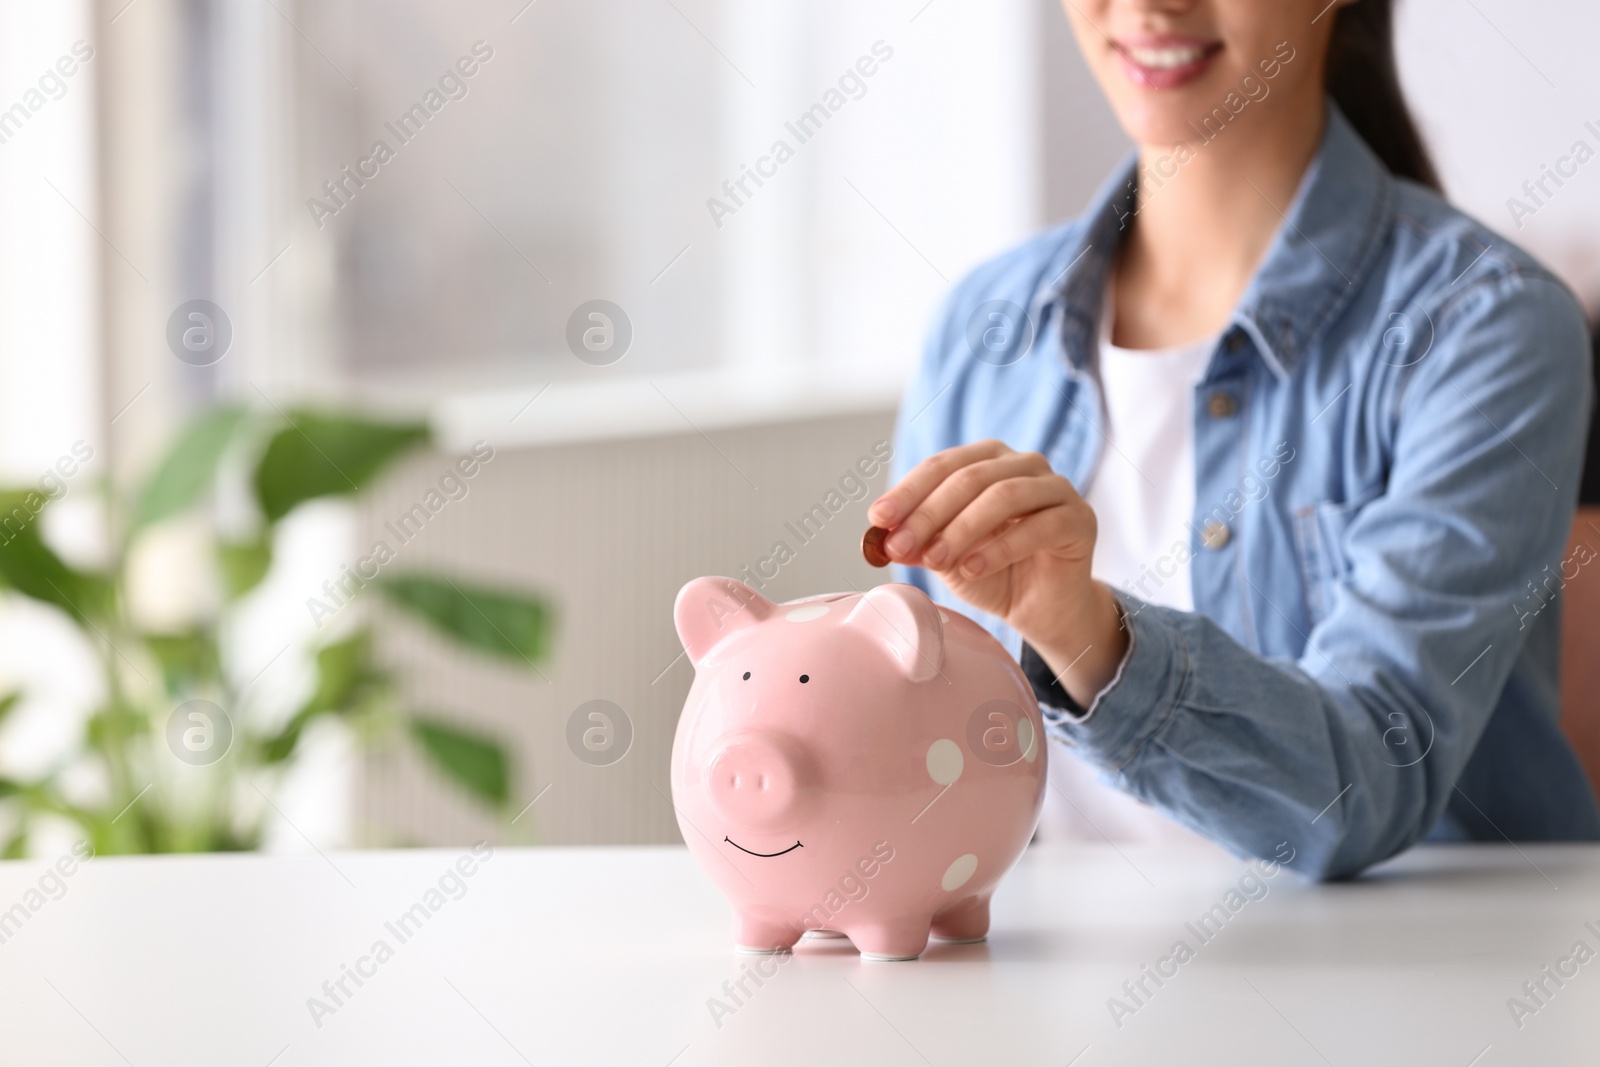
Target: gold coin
{"type": "Point", "coordinates": [872, 546]}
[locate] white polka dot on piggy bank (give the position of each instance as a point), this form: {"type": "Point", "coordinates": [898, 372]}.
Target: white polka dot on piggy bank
{"type": "Point", "coordinates": [862, 763]}
{"type": "Point", "coordinates": [959, 872]}
{"type": "Point", "coordinates": [944, 761]}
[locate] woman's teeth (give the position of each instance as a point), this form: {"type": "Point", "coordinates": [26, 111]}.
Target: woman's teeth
{"type": "Point", "coordinates": [1165, 58]}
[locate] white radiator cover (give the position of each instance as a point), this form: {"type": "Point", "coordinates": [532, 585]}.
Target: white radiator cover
{"type": "Point", "coordinates": [607, 532]}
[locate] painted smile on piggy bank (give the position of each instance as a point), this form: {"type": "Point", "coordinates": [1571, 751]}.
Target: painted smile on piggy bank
{"type": "Point", "coordinates": [763, 855]}
{"type": "Point", "coordinates": [825, 733]}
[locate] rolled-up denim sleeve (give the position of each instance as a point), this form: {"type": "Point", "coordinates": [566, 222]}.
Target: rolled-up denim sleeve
{"type": "Point", "coordinates": [1421, 633]}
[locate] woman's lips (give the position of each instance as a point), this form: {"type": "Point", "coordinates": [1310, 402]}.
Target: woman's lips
{"type": "Point", "coordinates": [1166, 64]}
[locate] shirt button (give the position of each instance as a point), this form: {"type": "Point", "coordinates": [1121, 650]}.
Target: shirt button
{"type": "Point", "coordinates": [1222, 405]}
{"type": "Point", "coordinates": [1215, 535]}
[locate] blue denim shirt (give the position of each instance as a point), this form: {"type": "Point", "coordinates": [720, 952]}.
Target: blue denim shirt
{"type": "Point", "coordinates": [1388, 443]}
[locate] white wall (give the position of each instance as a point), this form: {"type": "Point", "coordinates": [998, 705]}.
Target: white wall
{"type": "Point", "coordinates": [49, 381]}
{"type": "Point", "coordinates": [48, 250]}
{"type": "Point", "coordinates": [1501, 89]}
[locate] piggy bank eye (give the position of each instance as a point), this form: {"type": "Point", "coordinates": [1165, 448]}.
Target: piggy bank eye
{"type": "Point", "coordinates": [747, 676]}
{"type": "Point", "coordinates": [804, 678]}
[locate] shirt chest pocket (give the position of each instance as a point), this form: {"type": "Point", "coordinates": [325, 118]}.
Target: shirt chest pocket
{"type": "Point", "coordinates": [1320, 531]}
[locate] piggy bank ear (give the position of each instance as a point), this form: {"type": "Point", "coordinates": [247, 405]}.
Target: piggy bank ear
{"type": "Point", "coordinates": [906, 624]}
{"type": "Point", "coordinates": [709, 609]}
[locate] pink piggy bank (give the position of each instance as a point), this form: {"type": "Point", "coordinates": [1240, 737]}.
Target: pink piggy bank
{"type": "Point", "coordinates": [859, 764]}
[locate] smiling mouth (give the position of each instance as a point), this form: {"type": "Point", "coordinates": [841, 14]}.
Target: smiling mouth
{"type": "Point", "coordinates": [763, 855]}
{"type": "Point", "coordinates": [1168, 58]}
{"type": "Point", "coordinates": [1168, 65]}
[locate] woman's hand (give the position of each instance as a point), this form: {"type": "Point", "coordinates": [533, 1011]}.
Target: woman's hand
{"type": "Point", "coordinates": [1010, 536]}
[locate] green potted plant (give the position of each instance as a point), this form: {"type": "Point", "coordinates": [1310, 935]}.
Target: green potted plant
{"type": "Point", "coordinates": [170, 700]}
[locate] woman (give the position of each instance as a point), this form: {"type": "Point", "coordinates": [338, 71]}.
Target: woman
{"type": "Point", "coordinates": [1264, 465]}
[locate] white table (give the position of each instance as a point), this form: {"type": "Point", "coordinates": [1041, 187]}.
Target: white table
{"type": "Point", "coordinates": [609, 956]}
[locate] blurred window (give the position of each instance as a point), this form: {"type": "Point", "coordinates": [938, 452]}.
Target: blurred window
{"type": "Point", "coordinates": [752, 184]}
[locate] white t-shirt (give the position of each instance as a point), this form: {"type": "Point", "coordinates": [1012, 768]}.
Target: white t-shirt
{"type": "Point", "coordinates": [1143, 497]}
{"type": "Point", "coordinates": [1143, 489]}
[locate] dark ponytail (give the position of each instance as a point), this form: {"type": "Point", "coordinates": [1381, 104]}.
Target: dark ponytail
{"type": "Point", "coordinates": [1362, 80]}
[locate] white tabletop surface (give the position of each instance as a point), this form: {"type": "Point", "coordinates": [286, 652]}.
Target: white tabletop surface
{"type": "Point", "coordinates": [611, 956]}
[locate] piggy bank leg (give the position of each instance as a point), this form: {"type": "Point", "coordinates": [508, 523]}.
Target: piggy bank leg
{"type": "Point", "coordinates": [965, 922]}
{"type": "Point", "coordinates": [760, 934]}
{"type": "Point", "coordinates": [900, 940]}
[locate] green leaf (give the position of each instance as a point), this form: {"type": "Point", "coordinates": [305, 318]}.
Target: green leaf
{"type": "Point", "coordinates": [112, 730]}
{"type": "Point", "coordinates": [473, 761]}
{"type": "Point", "coordinates": [29, 566]}
{"type": "Point", "coordinates": [281, 745]}
{"type": "Point", "coordinates": [188, 660]}
{"type": "Point", "coordinates": [8, 702]}
{"type": "Point", "coordinates": [17, 847]}
{"type": "Point", "coordinates": [320, 454]}
{"type": "Point", "coordinates": [189, 468]}
{"type": "Point", "coordinates": [346, 679]}
{"type": "Point", "coordinates": [502, 624]}
{"type": "Point", "coordinates": [244, 564]}
{"type": "Point", "coordinates": [344, 671]}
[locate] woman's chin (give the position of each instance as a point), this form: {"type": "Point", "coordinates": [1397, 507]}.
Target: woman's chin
{"type": "Point", "coordinates": [1158, 128]}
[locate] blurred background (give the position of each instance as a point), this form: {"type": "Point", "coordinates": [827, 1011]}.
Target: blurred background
{"type": "Point", "coordinates": [525, 293]}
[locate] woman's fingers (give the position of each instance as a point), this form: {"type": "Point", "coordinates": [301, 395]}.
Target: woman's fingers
{"type": "Point", "coordinates": [1042, 531]}
{"type": "Point", "coordinates": [950, 498]}
{"type": "Point", "coordinates": [998, 503]}
{"type": "Point", "coordinates": [895, 506]}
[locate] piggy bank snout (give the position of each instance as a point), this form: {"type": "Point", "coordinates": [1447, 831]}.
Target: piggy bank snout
{"type": "Point", "coordinates": [756, 781]}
